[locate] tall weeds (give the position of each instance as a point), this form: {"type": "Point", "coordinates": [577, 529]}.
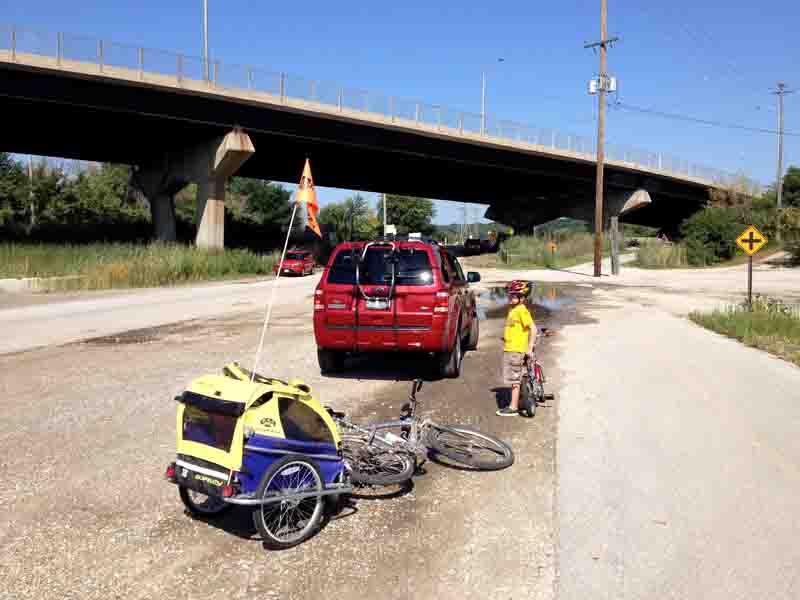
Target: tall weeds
{"type": "Point", "coordinates": [653, 254]}
{"type": "Point", "coordinates": [104, 266]}
{"type": "Point", "coordinates": [571, 248]}
{"type": "Point", "coordinates": [771, 325]}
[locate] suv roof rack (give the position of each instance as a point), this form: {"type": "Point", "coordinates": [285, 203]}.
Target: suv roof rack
{"type": "Point", "coordinates": [404, 237]}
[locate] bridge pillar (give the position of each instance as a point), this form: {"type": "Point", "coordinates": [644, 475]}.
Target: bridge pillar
{"type": "Point", "coordinates": [162, 213]}
{"type": "Point", "coordinates": [159, 185]}
{"type": "Point", "coordinates": [209, 164]}
{"type": "Point", "coordinates": [225, 157]}
{"type": "Point", "coordinates": [211, 213]}
{"type": "Point", "coordinates": [616, 203]}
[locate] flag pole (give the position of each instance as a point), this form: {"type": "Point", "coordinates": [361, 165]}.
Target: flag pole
{"type": "Point", "coordinates": [272, 297]}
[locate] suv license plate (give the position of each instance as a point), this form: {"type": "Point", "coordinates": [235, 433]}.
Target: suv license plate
{"type": "Point", "coordinates": [378, 304]}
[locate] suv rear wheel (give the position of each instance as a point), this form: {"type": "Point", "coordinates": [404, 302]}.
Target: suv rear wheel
{"type": "Point", "coordinates": [474, 333]}
{"type": "Point", "coordinates": [451, 361]}
{"type": "Point", "coordinates": [330, 361]}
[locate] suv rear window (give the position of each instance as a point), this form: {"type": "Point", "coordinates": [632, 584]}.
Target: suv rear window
{"type": "Point", "coordinates": [413, 267]}
{"type": "Point", "coordinates": [343, 267]}
{"type": "Point", "coordinates": [295, 256]}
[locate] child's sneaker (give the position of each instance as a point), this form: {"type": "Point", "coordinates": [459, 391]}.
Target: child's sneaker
{"type": "Point", "coordinates": [506, 412]}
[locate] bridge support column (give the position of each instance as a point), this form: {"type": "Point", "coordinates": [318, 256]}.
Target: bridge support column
{"type": "Point", "coordinates": [229, 154]}
{"type": "Point", "coordinates": [211, 213]}
{"type": "Point", "coordinates": [615, 204]}
{"type": "Point", "coordinates": [159, 185]}
{"type": "Point", "coordinates": [209, 164]}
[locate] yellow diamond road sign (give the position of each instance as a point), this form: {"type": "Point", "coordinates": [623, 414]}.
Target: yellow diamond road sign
{"type": "Point", "coordinates": [751, 240]}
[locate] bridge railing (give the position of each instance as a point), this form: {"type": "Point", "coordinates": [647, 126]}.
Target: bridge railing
{"type": "Point", "coordinates": [159, 66]}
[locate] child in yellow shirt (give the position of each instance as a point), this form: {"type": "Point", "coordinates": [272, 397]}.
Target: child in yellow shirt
{"type": "Point", "coordinates": [519, 337]}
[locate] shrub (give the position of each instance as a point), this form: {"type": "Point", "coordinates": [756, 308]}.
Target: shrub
{"type": "Point", "coordinates": [710, 235]}
{"type": "Point", "coordinates": [793, 249]}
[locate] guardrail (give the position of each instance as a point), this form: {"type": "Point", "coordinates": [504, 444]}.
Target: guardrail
{"type": "Point", "coordinates": [63, 50]}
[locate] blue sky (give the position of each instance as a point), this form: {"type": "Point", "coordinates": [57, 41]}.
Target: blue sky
{"type": "Point", "coordinates": [715, 60]}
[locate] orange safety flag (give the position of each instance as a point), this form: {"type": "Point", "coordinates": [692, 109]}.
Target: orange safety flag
{"type": "Point", "coordinates": [306, 194]}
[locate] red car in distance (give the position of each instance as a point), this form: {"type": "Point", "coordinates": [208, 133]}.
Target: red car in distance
{"type": "Point", "coordinates": [296, 262]}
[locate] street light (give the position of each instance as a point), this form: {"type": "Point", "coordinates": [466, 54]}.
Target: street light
{"type": "Point", "coordinates": [483, 98]}
{"type": "Point", "coordinates": [205, 40]}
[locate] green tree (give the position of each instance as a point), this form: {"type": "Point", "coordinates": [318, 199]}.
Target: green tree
{"type": "Point", "coordinates": [791, 187]}
{"type": "Point", "coordinates": [352, 218]}
{"type": "Point", "coordinates": [12, 194]}
{"type": "Point", "coordinates": [791, 190]}
{"type": "Point", "coordinates": [266, 202]}
{"type": "Point", "coordinates": [409, 213]}
{"type": "Point", "coordinates": [333, 216]}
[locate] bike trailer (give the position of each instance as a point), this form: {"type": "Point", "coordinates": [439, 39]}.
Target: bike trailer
{"type": "Point", "coordinates": [230, 430]}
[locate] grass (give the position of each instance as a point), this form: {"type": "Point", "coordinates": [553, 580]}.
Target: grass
{"type": "Point", "coordinates": [521, 251]}
{"type": "Point", "coordinates": [657, 255]}
{"type": "Point", "coordinates": [771, 325]}
{"type": "Point", "coordinates": [105, 266]}
{"type": "Point", "coordinates": [653, 254]}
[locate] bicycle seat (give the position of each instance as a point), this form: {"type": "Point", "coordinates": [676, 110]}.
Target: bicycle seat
{"type": "Point", "coordinates": [333, 413]}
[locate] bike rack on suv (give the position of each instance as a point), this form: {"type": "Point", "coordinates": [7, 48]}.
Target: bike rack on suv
{"type": "Point", "coordinates": [394, 271]}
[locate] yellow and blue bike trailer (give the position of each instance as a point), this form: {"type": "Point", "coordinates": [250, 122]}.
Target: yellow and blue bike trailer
{"type": "Point", "coordinates": [249, 440]}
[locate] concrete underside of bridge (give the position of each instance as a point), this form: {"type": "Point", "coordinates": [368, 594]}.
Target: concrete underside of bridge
{"type": "Point", "coordinates": [90, 118]}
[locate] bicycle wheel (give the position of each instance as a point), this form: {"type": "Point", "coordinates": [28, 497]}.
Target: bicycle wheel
{"type": "Point", "coordinates": [373, 464]}
{"type": "Point", "coordinates": [470, 447]}
{"type": "Point", "coordinates": [528, 398]}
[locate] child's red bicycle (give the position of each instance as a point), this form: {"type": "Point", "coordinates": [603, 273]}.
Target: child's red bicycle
{"type": "Point", "coordinates": [531, 391]}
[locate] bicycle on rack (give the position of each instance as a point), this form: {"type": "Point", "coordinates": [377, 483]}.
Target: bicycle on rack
{"type": "Point", "coordinates": [377, 456]}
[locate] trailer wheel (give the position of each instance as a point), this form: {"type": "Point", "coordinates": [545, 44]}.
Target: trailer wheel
{"type": "Point", "coordinates": [289, 520]}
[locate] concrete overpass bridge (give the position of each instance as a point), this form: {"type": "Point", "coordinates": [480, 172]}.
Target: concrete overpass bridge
{"type": "Point", "coordinates": [92, 99]}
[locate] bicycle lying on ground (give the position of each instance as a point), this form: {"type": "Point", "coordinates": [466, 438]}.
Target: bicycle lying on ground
{"type": "Point", "coordinates": [377, 456]}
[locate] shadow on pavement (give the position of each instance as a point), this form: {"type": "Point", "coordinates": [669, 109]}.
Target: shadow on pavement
{"type": "Point", "coordinates": [386, 492]}
{"type": "Point", "coordinates": [389, 367]}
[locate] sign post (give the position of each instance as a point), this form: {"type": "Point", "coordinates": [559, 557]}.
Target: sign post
{"type": "Point", "coordinates": [751, 241]}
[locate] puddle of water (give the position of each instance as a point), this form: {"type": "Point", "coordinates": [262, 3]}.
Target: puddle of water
{"type": "Point", "coordinates": [545, 297]}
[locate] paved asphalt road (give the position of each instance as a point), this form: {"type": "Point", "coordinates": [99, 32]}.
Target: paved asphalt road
{"type": "Point", "coordinates": [28, 323]}
{"type": "Point", "coordinates": [677, 452]}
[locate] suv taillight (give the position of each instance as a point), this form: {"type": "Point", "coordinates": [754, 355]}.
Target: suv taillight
{"type": "Point", "coordinates": [319, 300]}
{"type": "Point", "coordinates": [441, 302]}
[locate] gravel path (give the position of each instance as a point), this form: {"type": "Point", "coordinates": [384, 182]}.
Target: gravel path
{"type": "Point", "coordinates": [89, 428]}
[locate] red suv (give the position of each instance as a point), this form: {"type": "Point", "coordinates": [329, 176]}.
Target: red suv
{"type": "Point", "coordinates": [296, 262]}
{"type": "Point", "coordinates": [406, 296]}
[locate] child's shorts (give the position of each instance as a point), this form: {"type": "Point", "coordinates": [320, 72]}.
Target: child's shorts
{"type": "Point", "coordinates": [512, 367]}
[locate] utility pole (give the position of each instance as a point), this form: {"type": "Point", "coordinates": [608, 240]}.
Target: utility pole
{"type": "Point", "coordinates": [31, 195]}
{"type": "Point", "coordinates": [384, 215]}
{"type": "Point", "coordinates": [483, 98]}
{"type": "Point", "coordinates": [483, 102]}
{"type": "Point", "coordinates": [602, 86]}
{"type": "Point", "coordinates": [781, 91]}
{"type": "Point", "coordinates": [205, 39]}
{"type": "Point", "coordinates": [463, 222]}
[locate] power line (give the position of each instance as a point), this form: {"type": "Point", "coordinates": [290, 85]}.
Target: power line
{"type": "Point", "coordinates": [708, 45]}
{"type": "Point", "coordinates": [689, 119]}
